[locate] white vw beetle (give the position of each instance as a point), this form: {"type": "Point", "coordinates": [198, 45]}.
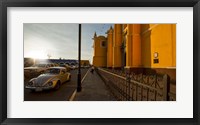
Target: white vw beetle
{"type": "Point", "coordinates": [53, 78]}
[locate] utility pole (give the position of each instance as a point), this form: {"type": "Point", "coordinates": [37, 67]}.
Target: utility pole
{"type": "Point", "coordinates": [79, 60]}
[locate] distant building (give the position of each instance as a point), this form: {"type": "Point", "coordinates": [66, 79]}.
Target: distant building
{"type": "Point", "coordinates": [58, 61]}
{"type": "Point", "coordinates": [85, 62]}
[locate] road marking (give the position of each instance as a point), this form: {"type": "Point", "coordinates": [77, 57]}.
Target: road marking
{"type": "Point", "coordinates": [72, 97]}
{"type": "Point", "coordinates": [74, 93]}
{"type": "Point", "coordinates": [84, 76]}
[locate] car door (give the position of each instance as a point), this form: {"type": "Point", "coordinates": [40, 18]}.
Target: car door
{"type": "Point", "coordinates": [63, 75]}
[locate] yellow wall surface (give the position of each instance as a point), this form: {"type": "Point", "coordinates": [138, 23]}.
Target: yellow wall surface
{"type": "Point", "coordinates": [110, 48]}
{"type": "Point", "coordinates": [174, 45]}
{"type": "Point", "coordinates": [136, 46]}
{"type": "Point", "coordinates": [163, 42]}
{"type": "Point", "coordinates": [117, 55]}
{"type": "Point", "coordinates": [161, 39]}
{"type": "Point", "coordinates": [128, 38]}
{"type": "Point", "coordinates": [100, 52]}
{"type": "Point", "coordinates": [99, 61]}
{"type": "Point", "coordinates": [133, 45]}
{"type": "Point", "coordinates": [146, 45]}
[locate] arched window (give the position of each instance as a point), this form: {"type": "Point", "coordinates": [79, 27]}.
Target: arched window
{"type": "Point", "coordinates": [103, 43]}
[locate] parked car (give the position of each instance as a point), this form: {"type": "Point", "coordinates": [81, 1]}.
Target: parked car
{"type": "Point", "coordinates": [68, 68]}
{"type": "Point", "coordinates": [38, 67]}
{"type": "Point", "coordinates": [72, 67]}
{"type": "Point", "coordinates": [53, 78]}
{"type": "Point", "coordinates": [35, 70]}
{"type": "Point", "coordinates": [56, 64]}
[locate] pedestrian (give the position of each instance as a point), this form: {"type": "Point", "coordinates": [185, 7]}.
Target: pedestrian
{"type": "Point", "coordinates": [92, 70]}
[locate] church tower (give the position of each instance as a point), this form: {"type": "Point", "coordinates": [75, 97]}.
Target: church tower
{"type": "Point", "coordinates": [100, 51]}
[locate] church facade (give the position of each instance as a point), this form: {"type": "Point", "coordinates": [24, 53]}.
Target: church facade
{"type": "Point", "coordinates": [142, 48]}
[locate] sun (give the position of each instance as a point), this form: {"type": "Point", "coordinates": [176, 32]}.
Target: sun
{"type": "Point", "coordinates": [37, 54]}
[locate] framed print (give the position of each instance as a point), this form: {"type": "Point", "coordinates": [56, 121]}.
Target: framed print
{"type": "Point", "coordinates": [119, 62]}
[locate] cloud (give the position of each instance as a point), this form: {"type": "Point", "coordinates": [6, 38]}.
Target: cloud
{"type": "Point", "coordinates": [60, 39]}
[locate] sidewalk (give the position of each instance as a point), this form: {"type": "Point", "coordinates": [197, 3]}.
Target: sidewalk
{"type": "Point", "coordinates": [93, 89]}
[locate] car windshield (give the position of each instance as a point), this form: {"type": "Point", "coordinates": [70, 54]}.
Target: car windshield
{"type": "Point", "coordinates": [39, 65]}
{"type": "Point", "coordinates": [53, 71]}
{"type": "Point", "coordinates": [62, 65]}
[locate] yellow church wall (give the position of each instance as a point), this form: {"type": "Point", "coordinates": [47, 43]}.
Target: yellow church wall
{"type": "Point", "coordinates": [128, 38]}
{"type": "Point", "coordinates": [110, 48]}
{"type": "Point", "coordinates": [136, 46]}
{"type": "Point", "coordinates": [142, 42]}
{"type": "Point", "coordinates": [99, 61]}
{"type": "Point", "coordinates": [100, 52]}
{"type": "Point", "coordinates": [161, 39]}
{"type": "Point", "coordinates": [163, 43]}
{"type": "Point", "coordinates": [117, 55]}
{"type": "Point", "coordinates": [133, 45]}
{"type": "Point", "coordinates": [174, 45]}
{"type": "Point", "coordinates": [145, 46]}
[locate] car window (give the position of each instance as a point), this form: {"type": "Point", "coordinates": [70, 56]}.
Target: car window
{"type": "Point", "coordinates": [63, 71]}
{"type": "Point", "coordinates": [39, 65]}
{"type": "Point", "coordinates": [53, 71]}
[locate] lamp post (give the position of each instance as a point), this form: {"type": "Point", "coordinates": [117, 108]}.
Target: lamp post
{"type": "Point", "coordinates": [79, 61]}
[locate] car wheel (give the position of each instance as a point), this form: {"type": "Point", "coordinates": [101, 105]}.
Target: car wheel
{"type": "Point", "coordinates": [57, 85]}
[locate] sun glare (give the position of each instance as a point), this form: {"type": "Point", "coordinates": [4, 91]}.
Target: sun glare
{"type": "Point", "coordinates": [37, 54]}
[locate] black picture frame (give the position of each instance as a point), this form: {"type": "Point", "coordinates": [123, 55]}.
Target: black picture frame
{"type": "Point", "coordinates": [98, 3]}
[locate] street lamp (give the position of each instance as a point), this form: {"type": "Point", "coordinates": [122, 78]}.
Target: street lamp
{"type": "Point", "coordinates": [79, 60]}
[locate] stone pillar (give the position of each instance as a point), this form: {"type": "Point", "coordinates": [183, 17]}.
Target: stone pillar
{"type": "Point", "coordinates": [136, 46]}
{"type": "Point", "coordinates": [117, 54]}
{"type": "Point", "coordinates": [129, 45]}
{"type": "Point", "coordinates": [110, 47]}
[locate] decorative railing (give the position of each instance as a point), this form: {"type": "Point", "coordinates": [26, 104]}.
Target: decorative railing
{"type": "Point", "coordinates": [138, 87]}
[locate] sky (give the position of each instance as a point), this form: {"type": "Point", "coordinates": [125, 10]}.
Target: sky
{"type": "Point", "coordinates": [60, 40]}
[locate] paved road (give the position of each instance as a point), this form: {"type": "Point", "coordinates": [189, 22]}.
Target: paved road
{"type": "Point", "coordinates": [63, 94]}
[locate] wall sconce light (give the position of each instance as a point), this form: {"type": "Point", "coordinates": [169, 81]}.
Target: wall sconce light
{"type": "Point", "coordinates": [155, 54]}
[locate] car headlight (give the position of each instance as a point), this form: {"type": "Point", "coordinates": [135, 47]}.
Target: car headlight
{"type": "Point", "coordinates": [30, 83]}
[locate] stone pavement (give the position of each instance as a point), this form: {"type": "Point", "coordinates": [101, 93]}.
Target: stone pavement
{"type": "Point", "coordinates": [93, 89]}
